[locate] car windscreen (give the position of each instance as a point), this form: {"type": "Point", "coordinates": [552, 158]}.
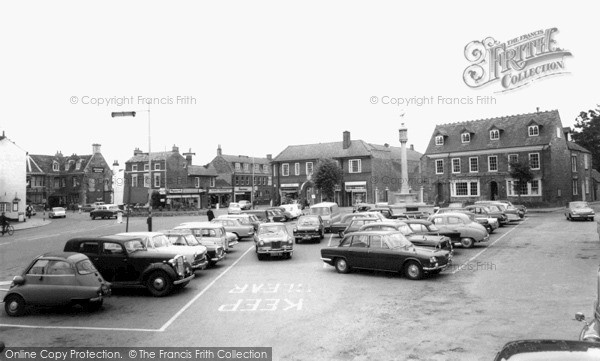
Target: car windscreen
{"type": "Point", "coordinates": [308, 221]}
{"type": "Point", "coordinates": [85, 267]}
{"type": "Point", "coordinates": [579, 205]}
{"type": "Point", "coordinates": [272, 230]}
{"type": "Point", "coordinates": [396, 240]}
{"type": "Point", "coordinates": [320, 211]}
{"type": "Point", "coordinates": [134, 245]}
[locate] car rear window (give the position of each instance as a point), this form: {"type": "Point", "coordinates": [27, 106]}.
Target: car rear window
{"type": "Point", "coordinates": [85, 267]}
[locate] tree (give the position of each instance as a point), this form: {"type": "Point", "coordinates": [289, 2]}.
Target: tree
{"type": "Point", "coordinates": [587, 134]}
{"type": "Point", "coordinates": [327, 176]}
{"type": "Point", "coordinates": [155, 200]}
{"type": "Point", "coordinates": [520, 171]}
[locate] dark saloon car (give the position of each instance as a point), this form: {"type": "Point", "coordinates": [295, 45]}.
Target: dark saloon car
{"type": "Point", "coordinates": [421, 240]}
{"type": "Point", "coordinates": [489, 212]}
{"type": "Point", "coordinates": [547, 350]}
{"type": "Point", "coordinates": [57, 279]}
{"type": "Point", "coordinates": [386, 251]}
{"type": "Point", "coordinates": [261, 214]}
{"type": "Point", "coordinates": [105, 211]}
{"type": "Point", "coordinates": [309, 227]}
{"type": "Point", "coordinates": [124, 261]}
{"type": "Point", "coordinates": [274, 240]}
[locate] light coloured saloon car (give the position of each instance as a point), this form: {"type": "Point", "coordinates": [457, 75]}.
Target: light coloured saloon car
{"type": "Point", "coordinates": [468, 232]}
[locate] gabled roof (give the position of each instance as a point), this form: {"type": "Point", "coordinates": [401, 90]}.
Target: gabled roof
{"type": "Point", "coordinates": [514, 132]}
{"type": "Point", "coordinates": [202, 170]}
{"type": "Point", "coordinates": [575, 146]}
{"type": "Point", "coordinates": [335, 150]}
{"type": "Point", "coordinates": [39, 163]}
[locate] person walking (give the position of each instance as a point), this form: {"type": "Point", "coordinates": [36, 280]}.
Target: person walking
{"type": "Point", "coordinates": [3, 223]}
{"type": "Point", "coordinates": [149, 221]}
{"type": "Point", "coordinates": [210, 215]}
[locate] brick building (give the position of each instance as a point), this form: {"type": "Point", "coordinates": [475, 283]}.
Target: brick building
{"type": "Point", "coordinates": [58, 180]}
{"type": "Point", "coordinates": [12, 178]}
{"type": "Point", "coordinates": [238, 175]}
{"type": "Point", "coordinates": [370, 172]}
{"type": "Point", "coordinates": [172, 175]}
{"type": "Point", "coordinates": [469, 161]}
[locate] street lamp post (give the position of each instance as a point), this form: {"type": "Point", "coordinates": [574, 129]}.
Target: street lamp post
{"type": "Point", "coordinates": [132, 114]}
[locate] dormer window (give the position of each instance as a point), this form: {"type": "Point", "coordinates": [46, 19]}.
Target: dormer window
{"type": "Point", "coordinates": [494, 134]}
{"type": "Point", "coordinates": [55, 166]}
{"type": "Point", "coordinates": [439, 140]}
{"type": "Point", "coordinates": [465, 137]}
{"type": "Point", "coordinates": [78, 164]}
{"type": "Point", "coordinates": [533, 130]}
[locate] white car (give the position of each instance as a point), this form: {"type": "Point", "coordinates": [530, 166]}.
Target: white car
{"type": "Point", "coordinates": [234, 208]}
{"type": "Point", "coordinates": [293, 209]}
{"type": "Point", "coordinates": [57, 212]}
{"type": "Point", "coordinates": [158, 242]}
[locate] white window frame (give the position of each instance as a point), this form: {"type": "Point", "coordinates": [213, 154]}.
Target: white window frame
{"type": "Point", "coordinates": [510, 191]}
{"type": "Point", "coordinates": [134, 180]}
{"type": "Point", "coordinates": [439, 140]}
{"type": "Point", "coordinates": [471, 164]}
{"type": "Point", "coordinates": [296, 168]}
{"type": "Point", "coordinates": [358, 167]}
{"type": "Point", "coordinates": [439, 164]}
{"type": "Point", "coordinates": [78, 164]}
{"type": "Point", "coordinates": [490, 163]}
{"type": "Point", "coordinates": [516, 159]}
{"type": "Point", "coordinates": [469, 183]}
{"type": "Point", "coordinates": [494, 134]}
{"type": "Point", "coordinates": [538, 161]}
{"type": "Point", "coordinates": [533, 130]}
{"type": "Point", "coordinates": [587, 185]}
{"type": "Point", "coordinates": [212, 181]}
{"type": "Point", "coordinates": [457, 164]}
{"type": "Point", "coordinates": [147, 183]}
{"type": "Point", "coordinates": [585, 161]}
{"type": "Point", "coordinates": [134, 167]}
{"type": "Point", "coordinates": [156, 178]}
{"type": "Point", "coordinates": [285, 169]}
{"type": "Point", "coordinates": [573, 162]}
{"type": "Point", "coordinates": [575, 186]}
{"type": "Point", "coordinates": [197, 182]}
{"type": "Point", "coordinates": [238, 167]}
{"type": "Point", "coordinates": [246, 167]}
{"type": "Point", "coordinates": [309, 170]}
{"type": "Point", "coordinates": [465, 137]}
{"type": "Point", "coordinates": [55, 166]}
{"type": "Point", "coordinates": [146, 167]}
{"type": "Point", "coordinates": [156, 166]}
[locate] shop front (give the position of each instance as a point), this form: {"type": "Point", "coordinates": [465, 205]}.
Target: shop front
{"type": "Point", "coordinates": [288, 192]}
{"type": "Point", "coordinates": [356, 192]}
{"type": "Point", "coordinates": [185, 198]}
{"type": "Point", "coordinates": [219, 197]}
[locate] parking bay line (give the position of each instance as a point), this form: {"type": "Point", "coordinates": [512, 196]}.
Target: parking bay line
{"type": "Point", "coordinates": [486, 248]}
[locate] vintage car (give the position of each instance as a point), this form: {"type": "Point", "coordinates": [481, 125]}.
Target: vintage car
{"type": "Point", "coordinates": [244, 205]}
{"type": "Point", "coordinates": [469, 232]}
{"type": "Point", "coordinates": [546, 350]}
{"type": "Point", "coordinates": [420, 240]}
{"type": "Point", "coordinates": [356, 223]}
{"type": "Point", "coordinates": [105, 211]}
{"type": "Point", "coordinates": [262, 215]}
{"type": "Point", "coordinates": [579, 210]}
{"type": "Point", "coordinates": [424, 227]}
{"type": "Point", "coordinates": [277, 215]}
{"type": "Point", "coordinates": [591, 330]}
{"type": "Point", "coordinates": [489, 212]}
{"type": "Point", "coordinates": [234, 208]}
{"type": "Point", "coordinates": [57, 212]}
{"type": "Point", "coordinates": [209, 230]}
{"type": "Point", "coordinates": [245, 219]}
{"type": "Point", "coordinates": [386, 251]}
{"type": "Point", "coordinates": [185, 237]}
{"type": "Point", "coordinates": [362, 207]}
{"type": "Point", "coordinates": [309, 227]}
{"type": "Point", "coordinates": [293, 209]}
{"type": "Point", "coordinates": [125, 262]}
{"type": "Point", "coordinates": [489, 223]}
{"type": "Point", "coordinates": [512, 213]}
{"type": "Point", "coordinates": [274, 240]}
{"type": "Point", "coordinates": [234, 226]}
{"type": "Point", "coordinates": [339, 227]}
{"type": "Point", "coordinates": [57, 279]}
{"type": "Point", "coordinates": [519, 207]}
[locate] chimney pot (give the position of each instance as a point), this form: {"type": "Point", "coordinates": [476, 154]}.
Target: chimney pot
{"type": "Point", "coordinates": [219, 150]}
{"type": "Point", "coordinates": [269, 156]}
{"type": "Point", "coordinates": [346, 140]}
{"type": "Point", "coordinates": [412, 147]}
{"type": "Point", "coordinates": [96, 148]}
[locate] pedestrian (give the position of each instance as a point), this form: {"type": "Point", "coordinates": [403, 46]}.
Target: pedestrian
{"type": "Point", "coordinates": [210, 215]}
{"type": "Point", "coordinates": [3, 223]}
{"type": "Point", "coordinates": [29, 210]}
{"type": "Point", "coordinates": [149, 221]}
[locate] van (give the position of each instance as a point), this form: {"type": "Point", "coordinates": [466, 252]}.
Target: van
{"type": "Point", "coordinates": [329, 212]}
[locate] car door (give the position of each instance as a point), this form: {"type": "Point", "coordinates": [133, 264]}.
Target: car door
{"type": "Point", "coordinates": [358, 252]}
{"type": "Point", "coordinates": [114, 262]}
{"type": "Point", "coordinates": [380, 255]}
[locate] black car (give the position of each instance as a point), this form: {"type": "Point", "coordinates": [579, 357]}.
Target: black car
{"type": "Point", "coordinates": [385, 251]}
{"type": "Point", "coordinates": [488, 212]}
{"type": "Point", "coordinates": [309, 227]}
{"type": "Point", "coordinates": [421, 240]}
{"type": "Point", "coordinates": [261, 214]}
{"type": "Point", "coordinates": [277, 215]}
{"type": "Point", "coordinates": [124, 261]}
{"type": "Point", "coordinates": [538, 350]}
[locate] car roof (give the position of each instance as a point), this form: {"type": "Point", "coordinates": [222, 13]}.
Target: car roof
{"type": "Point", "coordinates": [198, 225]}
{"type": "Point", "coordinates": [70, 256]}
{"type": "Point", "coordinates": [457, 214]}
{"type": "Point", "coordinates": [112, 237]}
{"type": "Point", "coordinates": [416, 221]}
{"type": "Point", "coordinates": [139, 234]}
{"type": "Point", "coordinates": [271, 224]}
{"type": "Point", "coordinates": [365, 233]}
{"type": "Point", "coordinates": [177, 232]}
{"type": "Point", "coordinates": [388, 223]}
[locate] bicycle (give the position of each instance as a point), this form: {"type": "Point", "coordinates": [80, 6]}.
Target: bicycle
{"type": "Point", "coordinates": [9, 229]}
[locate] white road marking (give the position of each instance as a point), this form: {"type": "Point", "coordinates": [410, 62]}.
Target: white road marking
{"type": "Point", "coordinates": [189, 304]}
{"type": "Point", "coordinates": [5, 283]}
{"type": "Point", "coordinates": [462, 266]}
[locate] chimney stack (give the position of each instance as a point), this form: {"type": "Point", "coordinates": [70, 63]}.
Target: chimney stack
{"type": "Point", "coordinates": [412, 147]}
{"type": "Point", "coordinates": [386, 145]}
{"type": "Point", "coordinates": [116, 163]}
{"type": "Point", "coordinates": [175, 148]}
{"type": "Point", "coordinates": [188, 156]}
{"type": "Point", "coordinates": [137, 151]}
{"type": "Point", "coordinates": [346, 142]}
{"type": "Point", "coordinates": [537, 109]}
{"type": "Point", "coordinates": [269, 156]}
{"type": "Point", "coordinates": [219, 151]}
{"type": "Point", "coordinates": [96, 148]}
{"type": "Point", "coordinates": [3, 136]}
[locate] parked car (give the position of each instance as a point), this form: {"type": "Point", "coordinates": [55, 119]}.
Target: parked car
{"type": "Point", "coordinates": [125, 262]}
{"type": "Point", "coordinates": [233, 225]}
{"type": "Point", "coordinates": [57, 212]}
{"type": "Point", "coordinates": [45, 283]}
{"type": "Point", "coordinates": [425, 227]}
{"type": "Point", "coordinates": [182, 237]}
{"type": "Point", "coordinates": [245, 218]}
{"type": "Point", "coordinates": [591, 330]}
{"type": "Point", "coordinates": [234, 208]}
{"type": "Point", "coordinates": [105, 211]}
{"type": "Point", "coordinates": [386, 251]}
{"type": "Point", "coordinates": [519, 207]}
{"type": "Point", "coordinates": [489, 212]}
{"type": "Point", "coordinates": [329, 212]}
{"type": "Point", "coordinates": [262, 215]}
{"type": "Point", "coordinates": [293, 209]}
{"type": "Point", "coordinates": [309, 227]}
{"type": "Point", "coordinates": [490, 224]}
{"type": "Point", "coordinates": [280, 210]}
{"type": "Point", "coordinates": [362, 207]}
{"type": "Point", "coordinates": [469, 232]}
{"type": "Point", "coordinates": [215, 232]}
{"type": "Point", "coordinates": [355, 225]}
{"type": "Point", "coordinates": [340, 227]}
{"type": "Point", "coordinates": [386, 212]}
{"type": "Point", "coordinates": [545, 350]}
{"type": "Point", "coordinates": [512, 213]}
{"type": "Point", "coordinates": [579, 210]}
{"type": "Point", "coordinates": [277, 215]}
{"type": "Point", "coordinates": [420, 240]}
{"type": "Point", "coordinates": [158, 242]}
{"type": "Point", "coordinates": [274, 240]}
{"type": "Point", "coordinates": [245, 205]}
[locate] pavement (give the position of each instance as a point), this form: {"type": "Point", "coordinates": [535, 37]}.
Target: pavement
{"type": "Point", "coordinates": [34, 222]}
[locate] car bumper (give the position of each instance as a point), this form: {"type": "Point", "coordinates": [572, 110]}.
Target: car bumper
{"type": "Point", "coordinates": [232, 242]}
{"type": "Point", "coordinates": [275, 251]}
{"type": "Point", "coordinates": [183, 280]}
{"type": "Point", "coordinates": [329, 261]}
{"type": "Point", "coordinates": [486, 238]}
{"type": "Point", "coordinates": [307, 236]}
{"type": "Point", "coordinates": [582, 215]}
{"type": "Point", "coordinates": [437, 267]}
{"type": "Point", "coordinates": [201, 264]}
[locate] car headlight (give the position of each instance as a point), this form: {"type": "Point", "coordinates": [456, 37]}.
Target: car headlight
{"type": "Point", "coordinates": [316, 230]}
{"type": "Point", "coordinates": [261, 243]}
{"type": "Point", "coordinates": [433, 259]}
{"type": "Point", "coordinates": [290, 240]}
{"type": "Point", "coordinates": [295, 230]}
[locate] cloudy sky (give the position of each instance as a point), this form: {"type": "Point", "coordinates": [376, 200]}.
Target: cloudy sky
{"type": "Point", "coordinates": [256, 76]}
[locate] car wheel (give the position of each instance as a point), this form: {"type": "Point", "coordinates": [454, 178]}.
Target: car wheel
{"type": "Point", "coordinates": [341, 265]}
{"type": "Point", "coordinates": [261, 256]}
{"type": "Point", "coordinates": [159, 283]}
{"type": "Point", "coordinates": [413, 270]}
{"type": "Point", "coordinates": [341, 234]}
{"type": "Point", "coordinates": [467, 242]}
{"type": "Point", "coordinates": [569, 217]}
{"type": "Point", "coordinates": [93, 218]}
{"type": "Point", "coordinates": [14, 305]}
{"type": "Point", "coordinates": [297, 241]}
{"type": "Point", "coordinates": [321, 235]}
{"type": "Point", "coordinates": [93, 306]}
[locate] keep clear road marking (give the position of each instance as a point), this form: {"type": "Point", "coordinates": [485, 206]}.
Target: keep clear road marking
{"type": "Point", "coordinates": [163, 328]}
{"type": "Point", "coordinates": [462, 266]}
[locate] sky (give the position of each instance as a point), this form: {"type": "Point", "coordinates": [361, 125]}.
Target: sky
{"type": "Point", "coordinates": [257, 76]}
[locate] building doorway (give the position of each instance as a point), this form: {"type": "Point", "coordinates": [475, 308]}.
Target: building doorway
{"type": "Point", "coordinates": [493, 190]}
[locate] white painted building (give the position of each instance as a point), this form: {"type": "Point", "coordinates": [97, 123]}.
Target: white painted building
{"type": "Point", "coordinates": [13, 179]}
